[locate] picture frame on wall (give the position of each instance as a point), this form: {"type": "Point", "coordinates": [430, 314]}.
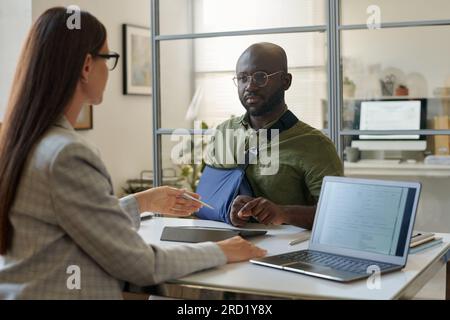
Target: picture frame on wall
{"type": "Point", "coordinates": [85, 119]}
{"type": "Point", "coordinates": [137, 53]}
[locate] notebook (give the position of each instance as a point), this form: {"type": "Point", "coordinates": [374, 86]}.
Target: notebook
{"type": "Point", "coordinates": [424, 246]}
{"type": "Point", "coordinates": [419, 238]}
{"type": "Point", "coordinates": [195, 234]}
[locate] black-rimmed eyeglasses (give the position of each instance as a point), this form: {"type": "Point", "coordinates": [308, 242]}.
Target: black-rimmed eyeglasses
{"type": "Point", "coordinates": [112, 59]}
{"type": "Point", "coordinates": [260, 78]}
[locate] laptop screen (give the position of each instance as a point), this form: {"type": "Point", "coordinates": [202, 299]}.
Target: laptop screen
{"type": "Point", "coordinates": [373, 218]}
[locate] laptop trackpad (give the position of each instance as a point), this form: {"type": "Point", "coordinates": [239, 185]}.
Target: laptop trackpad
{"type": "Point", "coordinates": [319, 271]}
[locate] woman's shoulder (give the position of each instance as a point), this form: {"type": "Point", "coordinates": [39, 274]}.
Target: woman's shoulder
{"type": "Point", "coordinates": [59, 141]}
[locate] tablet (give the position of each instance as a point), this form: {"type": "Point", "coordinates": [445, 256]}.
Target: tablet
{"type": "Point", "coordinates": [202, 234]}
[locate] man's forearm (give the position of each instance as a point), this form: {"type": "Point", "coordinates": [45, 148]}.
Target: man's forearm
{"type": "Point", "coordinates": [300, 216]}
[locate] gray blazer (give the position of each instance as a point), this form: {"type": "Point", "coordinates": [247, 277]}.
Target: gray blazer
{"type": "Point", "coordinates": [68, 223]}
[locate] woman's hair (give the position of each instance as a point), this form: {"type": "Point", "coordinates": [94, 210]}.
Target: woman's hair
{"type": "Point", "coordinates": [46, 78]}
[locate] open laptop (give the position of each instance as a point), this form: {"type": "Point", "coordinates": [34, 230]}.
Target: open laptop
{"type": "Point", "coordinates": [361, 226]}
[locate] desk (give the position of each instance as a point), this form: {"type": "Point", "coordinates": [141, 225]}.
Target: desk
{"type": "Point", "coordinates": [241, 279]}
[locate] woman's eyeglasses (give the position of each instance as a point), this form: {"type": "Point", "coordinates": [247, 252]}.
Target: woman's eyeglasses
{"type": "Point", "coordinates": [112, 59]}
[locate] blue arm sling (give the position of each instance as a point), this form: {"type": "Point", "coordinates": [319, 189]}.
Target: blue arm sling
{"type": "Point", "coordinates": [219, 187]}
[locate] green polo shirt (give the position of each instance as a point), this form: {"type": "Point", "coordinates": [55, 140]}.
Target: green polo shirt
{"type": "Point", "coordinates": [306, 155]}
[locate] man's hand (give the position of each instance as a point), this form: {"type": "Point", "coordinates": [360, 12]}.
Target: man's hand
{"type": "Point", "coordinates": [236, 206]}
{"type": "Point", "coordinates": [265, 211]}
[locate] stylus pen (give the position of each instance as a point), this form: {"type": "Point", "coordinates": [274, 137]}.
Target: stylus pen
{"type": "Point", "coordinates": [147, 217]}
{"type": "Point", "coordinates": [303, 238]}
{"type": "Point", "coordinates": [185, 195]}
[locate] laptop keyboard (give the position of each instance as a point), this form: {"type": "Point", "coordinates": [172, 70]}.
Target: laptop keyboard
{"type": "Point", "coordinates": [354, 265]}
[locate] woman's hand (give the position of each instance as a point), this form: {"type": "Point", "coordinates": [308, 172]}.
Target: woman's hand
{"type": "Point", "coordinates": [237, 249]}
{"type": "Point", "coordinates": [167, 200]}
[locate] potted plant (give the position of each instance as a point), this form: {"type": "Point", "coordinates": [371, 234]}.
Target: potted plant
{"type": "Point", "coordinates": [348, 89]}
{"type": "Point", "coordinates": [190, 172]}
{"type": "Point", "coordinates": [402, 90]}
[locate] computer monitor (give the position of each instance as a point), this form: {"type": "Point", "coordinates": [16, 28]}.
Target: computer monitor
{"type": "Point", "coordinates": [393, 114]}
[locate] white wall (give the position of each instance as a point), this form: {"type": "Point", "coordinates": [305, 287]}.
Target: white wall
{"type": "Point", "coordinates": [15, 21]}
{"type": "Point", "coordinates": [122, 124]}
{"type": "Point", "coordinates": [256, 14]}
{"type": "Point", "coordinates": [215, 58]}
{"type": "Point", "coordinates": [355, 11]}
{"type": "Point", "coordinates": [417, 56]}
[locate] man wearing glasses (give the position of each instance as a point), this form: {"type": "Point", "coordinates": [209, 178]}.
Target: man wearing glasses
{"type": "Point", "coordinates": [305, 154]}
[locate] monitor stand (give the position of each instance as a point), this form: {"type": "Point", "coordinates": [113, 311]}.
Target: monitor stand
{"type": "Point", "coordinates": [388, 145]}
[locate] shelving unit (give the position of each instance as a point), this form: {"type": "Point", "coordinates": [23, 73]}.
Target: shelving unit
{"type": "Point", "coordinates": [395, 168]}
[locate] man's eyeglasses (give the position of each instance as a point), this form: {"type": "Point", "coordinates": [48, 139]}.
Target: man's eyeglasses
{"type": "Point", "coordinates": [260, 78]}
{"type": "Point", "coordinates": [112, 59]}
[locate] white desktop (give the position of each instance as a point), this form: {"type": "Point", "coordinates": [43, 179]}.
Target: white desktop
{"type": "Point", "coordinates": [391, 115]}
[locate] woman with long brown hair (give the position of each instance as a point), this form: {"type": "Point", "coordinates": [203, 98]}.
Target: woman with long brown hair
{"type": "Point", "coordinates": [57, 208]}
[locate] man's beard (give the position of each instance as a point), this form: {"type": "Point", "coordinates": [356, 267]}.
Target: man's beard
{"type": "Point", "coordinates": [274, 101]}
